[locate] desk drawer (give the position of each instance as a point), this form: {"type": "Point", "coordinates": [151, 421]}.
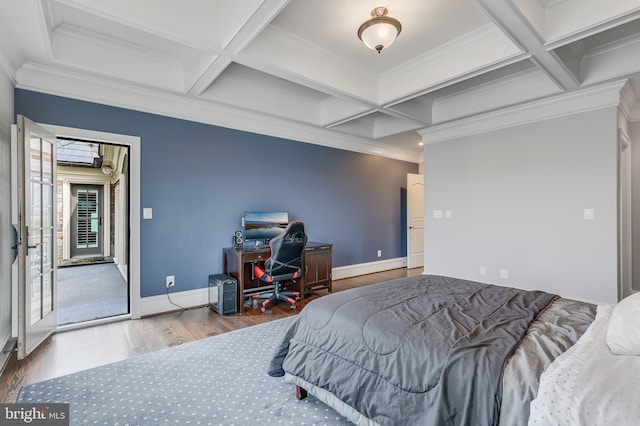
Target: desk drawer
{"type": "Point", "coordinates": [255, 257]}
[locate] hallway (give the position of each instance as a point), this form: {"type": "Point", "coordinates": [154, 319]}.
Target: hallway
{"type": "Point", "coordinates": [91, 292]}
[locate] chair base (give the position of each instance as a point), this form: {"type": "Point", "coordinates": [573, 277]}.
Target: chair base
{"type": "Point", "coordinates": [261, 300]}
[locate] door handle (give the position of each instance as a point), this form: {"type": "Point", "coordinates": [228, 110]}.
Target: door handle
{"type": "Point", "coordinates": [28, 245]}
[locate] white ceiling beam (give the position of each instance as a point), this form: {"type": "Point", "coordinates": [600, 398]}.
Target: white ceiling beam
{"type": "Point", "coordinates": [517, 27]}
{"type": "Point", "coordinates": [254, 25]}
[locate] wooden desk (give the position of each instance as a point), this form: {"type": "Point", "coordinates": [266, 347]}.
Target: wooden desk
{"type": "Point", "coordinates": [316, 267]}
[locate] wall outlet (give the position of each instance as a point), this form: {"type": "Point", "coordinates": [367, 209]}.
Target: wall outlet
{"type": "Point", "coordinates": [504, 274]}
{"type": "Point", "coordinates": [171, 280]}
{"type": "Point", "coordinates": [379, 253]}
{"type": "Point", "coordinates": [483, 271]}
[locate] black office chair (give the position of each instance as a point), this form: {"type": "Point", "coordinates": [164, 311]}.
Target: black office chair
{"type": "Point", "coordinates": [284, 264]}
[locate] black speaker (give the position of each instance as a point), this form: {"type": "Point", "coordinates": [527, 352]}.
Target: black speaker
{"type": "Point", "coordinates": [237, 239]}
{"type": "Point", "coordinates": [223, 292]}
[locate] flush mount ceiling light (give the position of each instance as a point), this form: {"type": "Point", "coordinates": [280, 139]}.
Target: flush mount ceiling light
{"type": "Point", "coordinates": [380, 31]}
{"type": "Point", "coordinates": [107, 169]}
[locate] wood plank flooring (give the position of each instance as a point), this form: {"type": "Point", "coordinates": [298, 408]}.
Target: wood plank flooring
{"type": "Point", "coordinates": [72, 351]}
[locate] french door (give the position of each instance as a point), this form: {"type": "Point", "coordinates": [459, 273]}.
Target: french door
{"type": "Point", "coordinates": [34, 211]}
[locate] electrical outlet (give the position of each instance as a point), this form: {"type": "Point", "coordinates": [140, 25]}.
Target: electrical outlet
{"type": "Point", "coordinates": [171, 280]}
{"type": "Point", "coordinates": [379, 253]}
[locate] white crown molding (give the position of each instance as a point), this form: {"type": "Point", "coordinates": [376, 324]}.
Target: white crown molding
{"type": "Point", "coordinates": [87, 87]}
{"type": "Point", "coordinates": [592, 29]}
{"type": "Point", "coordinates": [629, 103]}
{"type": "Point", "coordinates": [596, 97]}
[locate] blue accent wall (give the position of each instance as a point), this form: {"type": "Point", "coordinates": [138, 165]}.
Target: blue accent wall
{"type": "Point", "coordinates": [200, 179]}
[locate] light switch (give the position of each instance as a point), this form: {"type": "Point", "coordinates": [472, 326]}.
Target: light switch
{"type": "Point", "coordinates": [437, 214]}
{"type": "Point", "coordinates": [447, 214]}
{"type": "Point", "coordinates": [589, 214]}
{"type": "Point", "coordinates": [147, 213]}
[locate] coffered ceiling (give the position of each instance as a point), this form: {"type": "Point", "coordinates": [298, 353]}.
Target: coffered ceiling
{"type": "Point", "coordinates": [296, 69]}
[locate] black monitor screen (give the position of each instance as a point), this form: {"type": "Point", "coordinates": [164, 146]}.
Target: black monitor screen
{"type": "Point", "coordinates": [263, 226]}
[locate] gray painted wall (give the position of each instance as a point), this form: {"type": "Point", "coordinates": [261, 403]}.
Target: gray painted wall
{"type": "Point", "coordinates": [200, 179]}
{"type": "Point", "coordinates": [6, 119]}
{"type": "Point", "coordinates": [517, 197]}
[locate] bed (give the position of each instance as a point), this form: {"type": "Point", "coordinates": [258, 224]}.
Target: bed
{"type": "Point", "coordinates": [431, 350]}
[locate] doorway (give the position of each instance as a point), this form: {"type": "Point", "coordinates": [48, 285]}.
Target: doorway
{"type": "Point", "coordinates": [37, 218]}
{"type": "Point", "coordinates": [92, 239]}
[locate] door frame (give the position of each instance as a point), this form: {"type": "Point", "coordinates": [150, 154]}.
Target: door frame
{"type": "Point", "coordinates": [133, 143]}
{"type": "Point", "coordinates": [625, 216]}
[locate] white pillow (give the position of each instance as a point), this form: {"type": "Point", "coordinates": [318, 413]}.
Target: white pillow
{"type": "Point", "coordinates": [623, 332]}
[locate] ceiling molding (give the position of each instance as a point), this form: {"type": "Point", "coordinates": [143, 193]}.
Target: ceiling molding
{"type": "Point", "coordinates": [629, 103]}
{"type": "Point", "coordinates": [85, 87]}
{"type": "Point", "coordinates": [296, 69]}
{"type": "Point", "coordinates": [593, 98]}
{"type": "Point", "coordinates": [592, 29]}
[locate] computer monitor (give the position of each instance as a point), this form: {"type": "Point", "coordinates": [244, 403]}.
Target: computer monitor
{"type": "Point", "coordinates": [260, 227]}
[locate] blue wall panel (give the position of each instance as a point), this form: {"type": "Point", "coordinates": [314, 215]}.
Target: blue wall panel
{"type": "Point", "coordinates": [199, 179]}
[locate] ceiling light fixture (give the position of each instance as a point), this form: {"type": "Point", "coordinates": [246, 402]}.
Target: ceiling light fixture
{"type": "Point", "coordinates": [107, 169]}
{"type": "Point", "coordinates": [380, 31]}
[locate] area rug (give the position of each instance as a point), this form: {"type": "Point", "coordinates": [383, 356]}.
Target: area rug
{"type": "Point", "coordinates": [221, 380]}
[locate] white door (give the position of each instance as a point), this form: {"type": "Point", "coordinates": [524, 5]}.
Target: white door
{"type": "Point", "coordinates": [34, 214]}
{"type": "Point", "coordinates": [415, 220]}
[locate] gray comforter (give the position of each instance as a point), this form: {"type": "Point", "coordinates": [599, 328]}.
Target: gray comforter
{"type": "Point", "coordinates": [425, 350]}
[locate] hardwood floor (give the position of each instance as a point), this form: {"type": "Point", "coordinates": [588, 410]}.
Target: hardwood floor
{"type": "Point", "coordinates": [72, 351]}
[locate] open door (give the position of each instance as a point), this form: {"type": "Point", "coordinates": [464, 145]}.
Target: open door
{"type": "Point", "coordinates": [34, 186]}
{"type": "Point", "coordinates": [415, 220]}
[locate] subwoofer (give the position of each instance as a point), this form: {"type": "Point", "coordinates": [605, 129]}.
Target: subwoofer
{"type": "Point", "coordinates": [237, 239]}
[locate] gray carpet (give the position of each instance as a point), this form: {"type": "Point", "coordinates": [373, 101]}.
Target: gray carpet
{"type": "Point", "coordinates": [220, 380]}
{"type": "Point", "coordinates": [90, 292]}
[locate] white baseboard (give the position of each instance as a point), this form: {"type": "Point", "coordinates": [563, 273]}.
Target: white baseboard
{"type": "Point", "coordinates": [368, 268]}
{"type": "Point", "coordinates": [155, 305]}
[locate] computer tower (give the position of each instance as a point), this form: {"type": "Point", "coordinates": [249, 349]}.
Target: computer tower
{"type": "Point", "coordinates": [223, 292]}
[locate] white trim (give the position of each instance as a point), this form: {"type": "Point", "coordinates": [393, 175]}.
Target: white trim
{"type": "Point", "coordinates": [133, 142]}
{"type": "Point", "coordinates": [85, 87]}
{"type": "Point", "coordinates": [589, 99]}
{"type": "Point", "coordinates": [348, 271]}
{"type": "Point", "coordinates": [92, 323]}
{"type": "Point", "coordinates": [154, 305]}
